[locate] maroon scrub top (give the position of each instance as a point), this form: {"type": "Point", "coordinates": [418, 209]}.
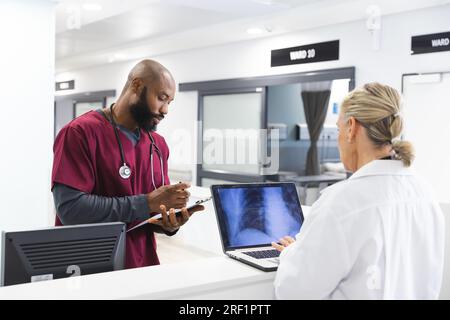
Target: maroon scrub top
{"type": "Point", "coordinates": [87, 158]}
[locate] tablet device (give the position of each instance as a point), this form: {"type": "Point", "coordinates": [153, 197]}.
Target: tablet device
{"type": "Point", "coordinates": [191, 204]}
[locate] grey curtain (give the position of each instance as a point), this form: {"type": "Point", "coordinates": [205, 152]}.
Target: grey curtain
{"type": "Point", "coordinates": [315, 104]}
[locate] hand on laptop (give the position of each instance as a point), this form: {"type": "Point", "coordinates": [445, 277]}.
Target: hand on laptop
{"type": "Point", "coordinates": [283, 243]}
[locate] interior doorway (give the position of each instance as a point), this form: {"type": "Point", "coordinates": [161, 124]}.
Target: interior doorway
{"type": "Point", "coordinates": [69, 107]}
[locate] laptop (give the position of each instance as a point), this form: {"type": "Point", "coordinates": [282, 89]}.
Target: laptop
{"type": "Point", "coordinates": [252, 215]}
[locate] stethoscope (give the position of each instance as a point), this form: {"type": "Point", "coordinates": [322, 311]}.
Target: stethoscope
{"type": "Point", "coordinates": [125, 170]}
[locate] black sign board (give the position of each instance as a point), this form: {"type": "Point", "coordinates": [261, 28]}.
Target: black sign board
{"type": "Point", "coordinates": [430, 43]}
{"type": "Point", "coordinates": [65, 85]}
{"type": "Point", "coordinates": [316, 52]}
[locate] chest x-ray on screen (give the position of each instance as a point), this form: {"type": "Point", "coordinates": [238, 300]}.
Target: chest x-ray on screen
{"type": "Point", "coordinates": [260, 215]}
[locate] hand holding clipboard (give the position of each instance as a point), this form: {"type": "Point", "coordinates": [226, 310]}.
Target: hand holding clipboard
{"type": "Point", "coordinates": [189, 208]}
{"type": "Point", "coordinates": [158, 219]}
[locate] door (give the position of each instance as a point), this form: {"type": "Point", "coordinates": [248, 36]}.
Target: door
{"type": "Point", "coordinates": [231, 123]}
{"type": "Point", "coordinates": [81, 108]}
{"type": "Point", "coordinates": [69, 107]}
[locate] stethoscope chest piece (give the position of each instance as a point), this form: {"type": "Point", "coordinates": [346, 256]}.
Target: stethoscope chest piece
{"type": "Point", "coordinates": [124, 171]}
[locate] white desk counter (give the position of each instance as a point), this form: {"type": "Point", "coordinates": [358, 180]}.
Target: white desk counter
{"type": "Point", "coordinates": [207, 278]}
{"type": "Point", "coordinates": [193, 266]}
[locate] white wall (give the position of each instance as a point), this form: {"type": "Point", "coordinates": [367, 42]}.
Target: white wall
{"type": "Point", "coordinates": [445, 288]}
{"type": "Point", "coordinates": [26, 94]}
{"type": "Point", "coordinates": [427, 104]}
{"type": "Point", "coordinates": [252, 58]}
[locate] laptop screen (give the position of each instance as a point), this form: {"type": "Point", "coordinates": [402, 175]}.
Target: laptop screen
{"type": "Point", "coordinates": [251, 215]}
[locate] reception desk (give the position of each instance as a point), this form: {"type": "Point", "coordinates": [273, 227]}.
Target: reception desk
{"type": "Point", "coordinates": [205, 278]}
{"type": "Point", "coordinates": [193, 266]}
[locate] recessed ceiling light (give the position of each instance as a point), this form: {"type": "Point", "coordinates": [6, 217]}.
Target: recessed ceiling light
{"type": "Point", "coordinates": [117, 57]}
{"type": "Point", "coordinates": [258, 30]}
{"type": "Point", "coordinates": [266, 2]}
{"type": "Point", "coordinates": [92, 6]}
{"type": "Point", "coordinates": [255, 30]}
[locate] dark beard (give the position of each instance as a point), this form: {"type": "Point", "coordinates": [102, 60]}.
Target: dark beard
{"type": "Point", "coordinates": [142, 115]}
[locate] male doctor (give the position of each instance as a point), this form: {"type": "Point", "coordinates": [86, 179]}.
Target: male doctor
{"type": "Point", "coordinates": [110, 165]}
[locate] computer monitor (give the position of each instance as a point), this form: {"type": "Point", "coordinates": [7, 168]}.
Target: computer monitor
{"type": "Point", "coordinates": [61, 252]}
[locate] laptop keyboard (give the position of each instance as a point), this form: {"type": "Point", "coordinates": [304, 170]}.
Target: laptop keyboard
{"type": "Point", "coordinates": [264, 254]}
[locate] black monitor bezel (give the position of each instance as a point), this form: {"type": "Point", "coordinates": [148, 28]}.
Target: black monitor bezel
{"type": "Point", "coordinates": [118, 260]}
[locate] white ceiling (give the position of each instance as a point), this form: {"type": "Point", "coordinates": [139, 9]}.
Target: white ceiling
{"type": "Point", "coordinates": [131, 29]}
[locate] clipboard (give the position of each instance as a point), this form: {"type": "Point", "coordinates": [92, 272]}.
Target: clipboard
{"type": "Point", "coordinates": [178, 212]}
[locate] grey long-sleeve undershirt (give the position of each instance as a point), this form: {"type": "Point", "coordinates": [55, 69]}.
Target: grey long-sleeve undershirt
{"type": "Point", "coordinates": [76, 207]}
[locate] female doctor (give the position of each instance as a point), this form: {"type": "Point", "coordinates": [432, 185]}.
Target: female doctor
{"type": "Point", "coordinates": [377, 235]}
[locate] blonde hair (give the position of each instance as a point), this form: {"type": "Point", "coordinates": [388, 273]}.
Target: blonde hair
{"type": "Point", "coordinates": [377, 108]}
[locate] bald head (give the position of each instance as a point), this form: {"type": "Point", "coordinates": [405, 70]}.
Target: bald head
{"type": "Point", "coordinates": [148, 71]}
{"type": "Point", "coordinates": [146, 96]}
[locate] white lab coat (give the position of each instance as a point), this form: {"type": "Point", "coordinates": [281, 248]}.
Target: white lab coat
{"type": "Point", "coordinates": [377, 235]}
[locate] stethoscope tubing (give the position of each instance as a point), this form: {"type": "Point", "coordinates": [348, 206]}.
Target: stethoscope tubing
{"type": "Point", "coordinates": [122, 155]}
{"type": "Point", "coordinates": [158, 152]}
